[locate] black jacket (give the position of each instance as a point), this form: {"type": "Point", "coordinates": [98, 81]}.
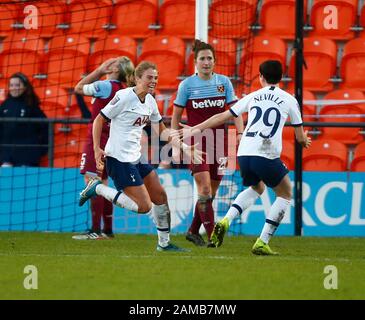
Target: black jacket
{"type": "Point", "coordinates": [22, 133]}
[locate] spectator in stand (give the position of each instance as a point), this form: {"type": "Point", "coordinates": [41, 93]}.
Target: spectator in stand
{"type": "Point", "coordinates": [22, 143]}
{"type": "Point", "coordinates": [119, 74]}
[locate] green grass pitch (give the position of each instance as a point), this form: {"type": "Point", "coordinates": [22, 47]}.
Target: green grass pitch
{"type": "Point", "coordinates": [129, 267]}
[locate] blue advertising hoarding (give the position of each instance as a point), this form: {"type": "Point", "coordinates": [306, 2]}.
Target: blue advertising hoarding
{"type": "Point", "coordinates": [43, 199]}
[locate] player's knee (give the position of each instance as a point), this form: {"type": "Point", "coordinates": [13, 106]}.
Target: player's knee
{"type": "Point", "coordinates": [287, 194]}
{"type": "Point", "coordinates": [144, 207]}
{"type": "Point", "coordinates": [159, 198]}
{"type": "Point", "coordinates": [259, 188]}
{"type": "Point", "coordinates": [205, 191]}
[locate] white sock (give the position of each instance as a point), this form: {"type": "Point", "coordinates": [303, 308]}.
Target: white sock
{"type": "Point", "coordinates": [276, 214]}
{"type": "Point", "coordinates": [243, 201]}
{"type": "Point", "coordinates": [116, 197]}
{"type": "Point", "coordinates": [161, 217]}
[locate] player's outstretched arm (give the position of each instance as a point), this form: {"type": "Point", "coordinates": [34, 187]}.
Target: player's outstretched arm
{"type": "Point", "coordinates": [172, 136]}
{"type": "Point", "coordinates": [302, 137]}
{"type": "Point", "coordinates": [212, 122]}
{"type": "Point", "coordinates": [99, 72]}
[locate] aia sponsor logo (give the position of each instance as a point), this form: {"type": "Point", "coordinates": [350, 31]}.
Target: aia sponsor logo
{"type": "Point", "coordinates": [141, 121]}
{"type": "Point", "coordinates": [209, 103]}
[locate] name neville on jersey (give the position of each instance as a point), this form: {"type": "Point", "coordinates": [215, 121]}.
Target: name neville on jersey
{"type": "Point", "coordinates": [268, 97]}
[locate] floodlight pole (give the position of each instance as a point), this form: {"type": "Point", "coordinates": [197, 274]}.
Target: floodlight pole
{"type": "Point", "coordinates": [298, 173]}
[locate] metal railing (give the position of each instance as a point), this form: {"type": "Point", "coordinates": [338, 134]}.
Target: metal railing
{"type": "Point", "coordinates": [52, 121]}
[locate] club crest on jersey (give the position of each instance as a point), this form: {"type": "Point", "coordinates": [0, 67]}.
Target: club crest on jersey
{"type": "Point", "coordinates": [140, 121]}
{"type": "Point", "coordinates": [114, 100]}
{"type": "Point", "coordinates": [220, 88]}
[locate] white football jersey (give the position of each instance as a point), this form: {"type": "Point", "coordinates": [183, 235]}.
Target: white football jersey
{"type": "Point", "coordinates": [268, 109]}
{"type": "Point", "coordinates": [128, 116]}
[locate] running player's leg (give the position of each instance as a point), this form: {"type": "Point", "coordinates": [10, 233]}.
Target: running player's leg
{"type": "Point", "coordinates": [125, 177]}
{"type": "Point", "coordinates": [242, 202]}
{"type": "Point", "coordinates": [203, 182]}
{"type": "Point", "coordinates": [276, 177]}
{"type": "Point", "coordinates": [160, 210]}
{"type": "Point", "coordinates": [278, 208]}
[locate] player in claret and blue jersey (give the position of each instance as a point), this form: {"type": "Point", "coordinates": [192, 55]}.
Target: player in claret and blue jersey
{"type": "Point", "coordinates": [259, 151]}
{"type": "Point", "coordinates": [204, 95]}
{"type": "Point", "coordinates": [119, 74]}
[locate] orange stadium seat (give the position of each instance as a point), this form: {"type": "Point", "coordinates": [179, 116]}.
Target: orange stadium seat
{"type": "Point", "coordinates": [309, 110]}
{"type": "Point", "coordinates": [21, 53]}
{"type": "Point", "coordinates": [344, 135]}
{"type": "Point", "coordinates": [358, 162]}
{"type": "Point", "coordinates": [231, 18]}
{"type": "Point", "coordinates": [49, 17]}
{"type": "Point", "coordinates": [277, 18]}
{"type": "Point", "coordinates": [110, 47]}
{"type": "Point", "coordinates": [3, 89]}
{"type": "Point", "coordinates": [161, 100]}
{"type": "Point", "coordinates": [177, 18]}
{"type": "Point", "coordinates": [66, 60]}
{"type": "Point", "coordinates": [320, 56]}
{"type": "Point", "coordinates": [54, 100]}
{"type": "Point", "coordinates": [10, 14]}
{"type": "Point", "coordinates": [287, 154]}
{"type": "Point", "coordinates": [353, 64]}
{"type": "Point", "coordinates": [135, 18]}
{"type": "Point", "coordinates": [264, 48]}
{"type": "Point", "coordinates": [70, 143]}
{"type": "Point", "coordinates": [324, 15]}
{"type": "Point", "coordinates": [167, 53]}
{"type": "Point", "coordinates": [170, 108]}
{"type": "Point", "coordinates": [89, 17]}
{"type": "Point", "coordinates": [225, 54]}
{"type": "Point", "coordinates": [68, 161]}
{"type": "Point", "coordinates": [325, 155]}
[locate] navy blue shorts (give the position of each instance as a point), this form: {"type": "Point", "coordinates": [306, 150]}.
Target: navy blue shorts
{"type": "Point", "coordinates": [127, 174]}
{"type": "Point", "coordinates": [255, 169]}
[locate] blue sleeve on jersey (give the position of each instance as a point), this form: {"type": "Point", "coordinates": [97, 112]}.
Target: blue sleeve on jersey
{"type": "Point", "coordinates": [230, 95]}
{"type": "Point", "coordinates": [103, 89]}
{"type": "Point", "coordinates": [182, 96]}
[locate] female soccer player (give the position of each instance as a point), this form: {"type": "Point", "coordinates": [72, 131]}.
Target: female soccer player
{"type": "Point", "coordinates": [129, 112]}
{"type": "Point", "coordinates": [119, 75]}
{"type": "Point", "coordinates": [203, 95]}
{"type": "Point", "coordinates": [259, 152]}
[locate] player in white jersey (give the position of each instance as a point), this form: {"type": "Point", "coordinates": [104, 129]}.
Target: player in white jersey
{"type": "Point", "coordinates": [129, 111]}
{"type": "Point", "coordinates": [259, 151]}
